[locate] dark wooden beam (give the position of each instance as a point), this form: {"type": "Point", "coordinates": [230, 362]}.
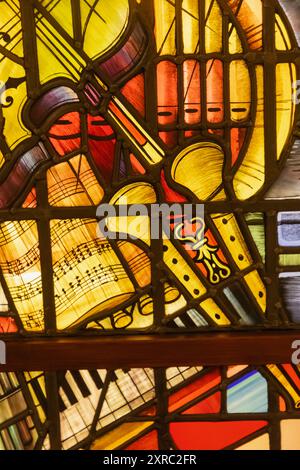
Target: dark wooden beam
{"type": "Point", "coordinates": [256, 348]}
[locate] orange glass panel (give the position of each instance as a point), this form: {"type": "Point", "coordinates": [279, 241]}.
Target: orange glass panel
{"type": "Point", "coordinates": [214, 90]}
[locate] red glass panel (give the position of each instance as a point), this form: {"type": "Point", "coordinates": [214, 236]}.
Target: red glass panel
{"type": "Point", "coordinates": [212, 436]}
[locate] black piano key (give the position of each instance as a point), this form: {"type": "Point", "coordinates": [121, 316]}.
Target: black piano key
{"type": "Point", "coordinates": [96, 378]}
{"type": "Point", "coordinates": [80, 383]}
{"type": "Point", "coordinates": [61, 404]}
{"type": "Point", "coordinates": [68, 391]}
{"type": "Point", "coordinates": [113, 377]}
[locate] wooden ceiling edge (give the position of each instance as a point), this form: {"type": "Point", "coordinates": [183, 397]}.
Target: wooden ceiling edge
{"type": "Point", "coordinates": [156, 350]}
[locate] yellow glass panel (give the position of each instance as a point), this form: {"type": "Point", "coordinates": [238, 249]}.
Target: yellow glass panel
{"type": "Point", "coordinates": [257, 288]}
{"type": "Point", "coordinates": [213, 26]}
{"type": "Point", "coordinates": [20, 261]}
{"type": "Point", "coordinates": [12, 100]}
{"type": "Point", "coordinates": [137, 226]}
{"type": "Point", "coordinates": [175, 305]}
{"type": "Point", "coordinates": [190, 26]}
{"type": "Point", "coordinates": [36, 402]}
{"type": "Point", "coordinates": [73, 183]}
{"type": "Point", "coordinates": [182, 270]}
{"type": "Point", "coordinates": [88, 276]}
{"type": "Point", "coordinates": [285, 109]}
{"type": "Point", "coordinates": [240, 96]}
{"type": "Point", "coordinates": [103, 27]}
{"type": "Point", "coordinates": [289, 259]}
{"type": "Point", "coordinates": [3, 300]}
{"type": "Point", "coordinates": [294, 394]}
{"type": "Point", "coordinates": [133, 226]}
{"type": "Point", "coordinates": [138, 262]}
{"type": "Point", "coordinates": [56, 57]}
{"type": "Point", "coordinates": [250, 176]}
{"type": "Point", "coordinates": [120, 435]}
{"type": "Point", "coordinates": [229, 230]}
{"type": "Point", "coordinates": [2, 159]}
{"type": "Point", "coordinates": [165, 27]}
{"type": "Point", "coordinates": [187, 169]}
{"type": "Point", "coordinates": [124, 319]}
{"type": "Point", "coordinates": [282, 39]}
{"type": "Point", "coordinates": [10, 26]}
{"type": "Point", "coordinates": [234, 42]}
{"type": "Point", "coordinates": [135, 193]}
{"type": "Point", "coordinates": [214, 312]}
{"type": "Point", "coordinates": [150, 151]}
{"type": "Point", "coordinates": [62, 12]}
{"type": "Point", "coordinates": [32, 374]}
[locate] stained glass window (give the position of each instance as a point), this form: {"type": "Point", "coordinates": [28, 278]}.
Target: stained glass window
{"type": "Point", "coordinates": [149, 102]}
{"type": "Point", "coordinates": [205, 408]}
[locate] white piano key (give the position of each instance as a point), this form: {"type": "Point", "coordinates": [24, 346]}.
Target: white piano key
{"type": "Point", "coordinates": [114, 398]}
{"type": "Point", "coordinates": [94, 398]}
{"type": "Point", "coordinates": [69, 378]}
{"type": "Point", "coordinates": [75, 420]}
{"type": "Point", "coordinates": [64, 398]}
{"type": "Point", "coordinates": [86, 410]}
{"type": "Point", "coordinates": [89, 381]}
{"type": "Point", "coordinates": [105, 411]}
{"type": "Point", "coordinates": [128, 388]}
{"type": "Point", "coordinates": [140, 380]}
{"type": "Point", "coordinates": [65, 427]}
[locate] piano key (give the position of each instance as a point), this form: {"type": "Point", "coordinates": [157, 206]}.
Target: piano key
{"type": "Point", "coordinates": [94, 398]}
{"type": "Point", "coordinates": [119, 374]}
{"type": "Point", "coordinates": [87, 410]}
{"type": "Point", "coordinates": [63, 402]}
{"type": "Point", "coordinates": [75, 420]}
{"type": "Point", "coordinates": [66, 444]}
{"type": "Point", "coordinates": [96, 378]}
{"type": "Point", "coordinates": [73, 386]}
{"type": "Point", "coordinates": [80, 383]}
{"type": "Point", "coordinates": [114, 398]}
{"type": "Point", "coordinates": [127, 386]}
{"type": "Point", "coordinates": [125, 380]}
{"type": "Point", "coordinates": [88, 381]}
{"type": "Point", "coordinates": [140, 380]}
{"type": "Point", "coordinates": [150, 374]}
{"type": "Point", "coordinates": [68, 391]}
{"type": "Point", "coordinates": [113, 376]}
{"type": "Point", "coordinates": [66, 430]}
